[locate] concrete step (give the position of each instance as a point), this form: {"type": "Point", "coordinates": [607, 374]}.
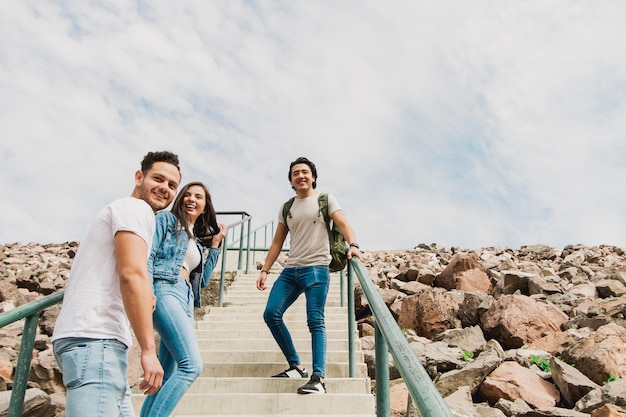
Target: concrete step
{"type": "Point", "coordinates": [270, 404]}
{"type": "Point", "coordinates": [264, 333]}
{"type": "Point", "coordinates": [245, 323]}
{"type": "Point", "coordinates": [260, 304]}
{"type": "Point", "coordinates": [267, 385]}
{"type": "Point", "coordinates": [255, 312]}
{"type": "Point", "coordinates": [271, 355]}
{"type": "Point", "coordinates": [266, 369]}
{"type": "Point", "coordinates": [302, 345]}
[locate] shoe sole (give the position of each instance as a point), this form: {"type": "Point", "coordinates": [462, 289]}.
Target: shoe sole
{"type": "Point", "coordinates": [311, 392]}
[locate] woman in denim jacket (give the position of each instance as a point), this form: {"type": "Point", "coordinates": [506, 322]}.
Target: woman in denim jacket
{"type": "Point", "coordinates": [179, 267]}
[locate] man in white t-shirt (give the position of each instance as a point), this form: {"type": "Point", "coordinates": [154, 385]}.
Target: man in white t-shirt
{"type": "Point", "coordinates": [306, 272]}
{"type": "Point", "coordinates": [109, 287]}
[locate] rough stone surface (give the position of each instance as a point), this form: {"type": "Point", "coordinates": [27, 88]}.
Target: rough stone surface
{"type": "Point", "coordinates": [465, 312]}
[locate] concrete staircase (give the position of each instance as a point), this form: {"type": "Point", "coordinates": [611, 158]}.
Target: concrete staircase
{"type": "Point", "coordinates": [240, 355]}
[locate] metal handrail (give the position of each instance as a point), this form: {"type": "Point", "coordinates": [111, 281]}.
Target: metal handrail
{"type": "Point", "coordinates": [31, 312]}
{"type": "Point", "coordinates": [389, 339]}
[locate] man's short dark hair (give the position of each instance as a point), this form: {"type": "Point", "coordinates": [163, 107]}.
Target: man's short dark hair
{"type": "Point", "coordinates": [303, 160]}
{"type": "Point", "coordinates": [163, 156]}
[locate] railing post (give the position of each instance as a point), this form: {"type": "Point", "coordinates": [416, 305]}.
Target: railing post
{"type": "Point", "coordinates": [249, 223]}
{"type": "Point", "coordinates": [342, 289]}
{"type": "Point", "coordinates": [224, 252]}
{"type": "Point", "coordinates": [241, 234]}
{"type": "Point", "coordinates": [351, 324]}
{"type": "Point", "coordinates": [381, 349]}
{"type": "Point", "coordinates": [22, 368]}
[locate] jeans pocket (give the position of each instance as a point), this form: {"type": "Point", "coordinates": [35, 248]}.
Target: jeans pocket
{"type": "Point", "coordinates": [115, 346]}
{"type": "Point", "coordinates": [75, 363]}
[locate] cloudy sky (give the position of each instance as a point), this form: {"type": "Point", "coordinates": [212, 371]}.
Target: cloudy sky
{"type": "Point", "coordinates": [469, 124]}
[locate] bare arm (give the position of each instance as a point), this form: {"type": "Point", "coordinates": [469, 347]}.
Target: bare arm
{"type": "Point", "coordinates": [272, 254]}
{"type": "Point", "coordinates": [340, 219]}
{"type": "Point", "coordinates": [131, 253]}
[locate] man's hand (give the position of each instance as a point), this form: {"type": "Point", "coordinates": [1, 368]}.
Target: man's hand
{"type": "Point", "coordinates": [152, 374]}
{"type": "Point", "coordinates": [355, 252]}
{"type": "Point", "coordinates": [260, 282]}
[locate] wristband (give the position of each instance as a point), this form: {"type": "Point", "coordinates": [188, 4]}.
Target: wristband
{"type": "Point", "coordinates": [354, 245]}
{"type": "Point", "coordinates": [264, 270]}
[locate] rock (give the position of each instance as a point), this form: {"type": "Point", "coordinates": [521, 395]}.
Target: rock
{"type": "Point", "coordinates": [472, 374]}
{"type": "Point", "coordinates": [36, 404]}
{"type": "Point", "coordinates": [609, 410]}
{"type": "Point", "coordinates": [601, 354]}
{"type": "Point", "coordinates": [464, 273]}
{"type": "Point", "coordinates": [429, 313]}
{"type": "Point", "coordinates": [572, 383]}
{"type": "Point", "coordinates": [512, 381]}
{"type": "Point", "coordinates": [612, 393]}
{"type": "Point", "coordinates": [515, 320]}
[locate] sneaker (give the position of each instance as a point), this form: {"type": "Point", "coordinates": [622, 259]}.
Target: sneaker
{"type": "Point", "coordinates": [314, 386]}
{"type": "Point", "coordinates": [293, 372]}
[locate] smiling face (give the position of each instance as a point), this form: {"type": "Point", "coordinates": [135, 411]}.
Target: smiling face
{"type": "Point", "coordinates": [194, 202]}
{"type": "Point", "coordinates": [302, 179]}
{"type": "Point", "coordinates": [158, 185]}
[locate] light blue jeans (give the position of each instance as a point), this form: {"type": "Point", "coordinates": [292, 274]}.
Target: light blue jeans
{"type": "Point", "coordinates": [94, 374]}
{"type": "Point", "coordinates": [313, 281]}
{"type": "Point", "coordinates": [179, 352]}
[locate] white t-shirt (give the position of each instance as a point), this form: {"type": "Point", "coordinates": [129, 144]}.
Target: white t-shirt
{"type": "Point", "coordinates": [92, 304]}
{"type": "Point", "coordinates": [308, 241]}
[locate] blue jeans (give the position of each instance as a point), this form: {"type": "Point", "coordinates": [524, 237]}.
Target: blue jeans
{"type": "Point", "coordinates": [94, 374]}
{"type": "Point", "coordinates": [313, 281]}
{"type": "Point", "coordinates": [179, 352]}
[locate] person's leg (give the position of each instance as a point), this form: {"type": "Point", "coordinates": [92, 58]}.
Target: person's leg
{"type": "Point", "coordinates": [315, 280]}
{"type": "Point", "coordinates": [285, 291]}
{"type": "Point", "coordinates": [126, 409]}
{"type": "Point", "coordinates": [173, 319]}
{"type": "Point", "coordinates": [169, 366]}
{"type": "Point", "coordinates": [94, 374]}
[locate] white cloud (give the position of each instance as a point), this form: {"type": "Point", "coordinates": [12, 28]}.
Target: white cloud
{"type": "Point", "coordinates": [463, 124]}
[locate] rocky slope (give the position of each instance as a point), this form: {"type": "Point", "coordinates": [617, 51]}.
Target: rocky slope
{"type": "Point", "coordinates": [538, 331]}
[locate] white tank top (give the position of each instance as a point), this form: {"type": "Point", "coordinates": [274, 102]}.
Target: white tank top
{"type": "Point", "coordinates": [192, 257]}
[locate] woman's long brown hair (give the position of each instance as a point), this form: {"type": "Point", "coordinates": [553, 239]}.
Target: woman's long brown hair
{"type": "Point", "coordinates": [206, 224]}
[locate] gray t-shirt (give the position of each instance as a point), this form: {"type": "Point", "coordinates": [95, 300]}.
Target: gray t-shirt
{"type": "Point", "coordinates": [308, 237]}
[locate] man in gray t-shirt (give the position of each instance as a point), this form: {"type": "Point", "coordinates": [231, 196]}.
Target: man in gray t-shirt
{"type": "Point", "coordinates": [306, 272]}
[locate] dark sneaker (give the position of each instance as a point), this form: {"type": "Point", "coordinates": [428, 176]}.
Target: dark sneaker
{"type": "Point", "coordinates": [314, 386]}
{"type": "Point", "coordinates": [292, 372]}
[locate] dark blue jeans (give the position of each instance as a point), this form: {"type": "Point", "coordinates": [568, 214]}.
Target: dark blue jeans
{"type": "Point", "coordinates": [313, 281]}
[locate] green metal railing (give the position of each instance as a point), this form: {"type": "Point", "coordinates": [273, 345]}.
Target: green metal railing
{"type": "Point", "coordinates": [389, 339]}
{"type": "Point", "coordinates": [31, 312]}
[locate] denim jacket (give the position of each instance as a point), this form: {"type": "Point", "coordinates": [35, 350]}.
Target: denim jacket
{"type": "Point", "coordinates": [169, 247]}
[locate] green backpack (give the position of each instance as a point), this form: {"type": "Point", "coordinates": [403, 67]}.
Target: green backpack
{"type": "Point", "coordinates": [338, 244]}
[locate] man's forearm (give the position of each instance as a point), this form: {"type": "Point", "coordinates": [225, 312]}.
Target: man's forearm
{"type": "Point", "coordinates": [137, 296]}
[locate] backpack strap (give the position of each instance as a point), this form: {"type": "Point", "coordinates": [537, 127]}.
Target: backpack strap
{"type": "Point", "coordinates": [286, 210]}
{"type": "Point", "coordinates": [322, 201]}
